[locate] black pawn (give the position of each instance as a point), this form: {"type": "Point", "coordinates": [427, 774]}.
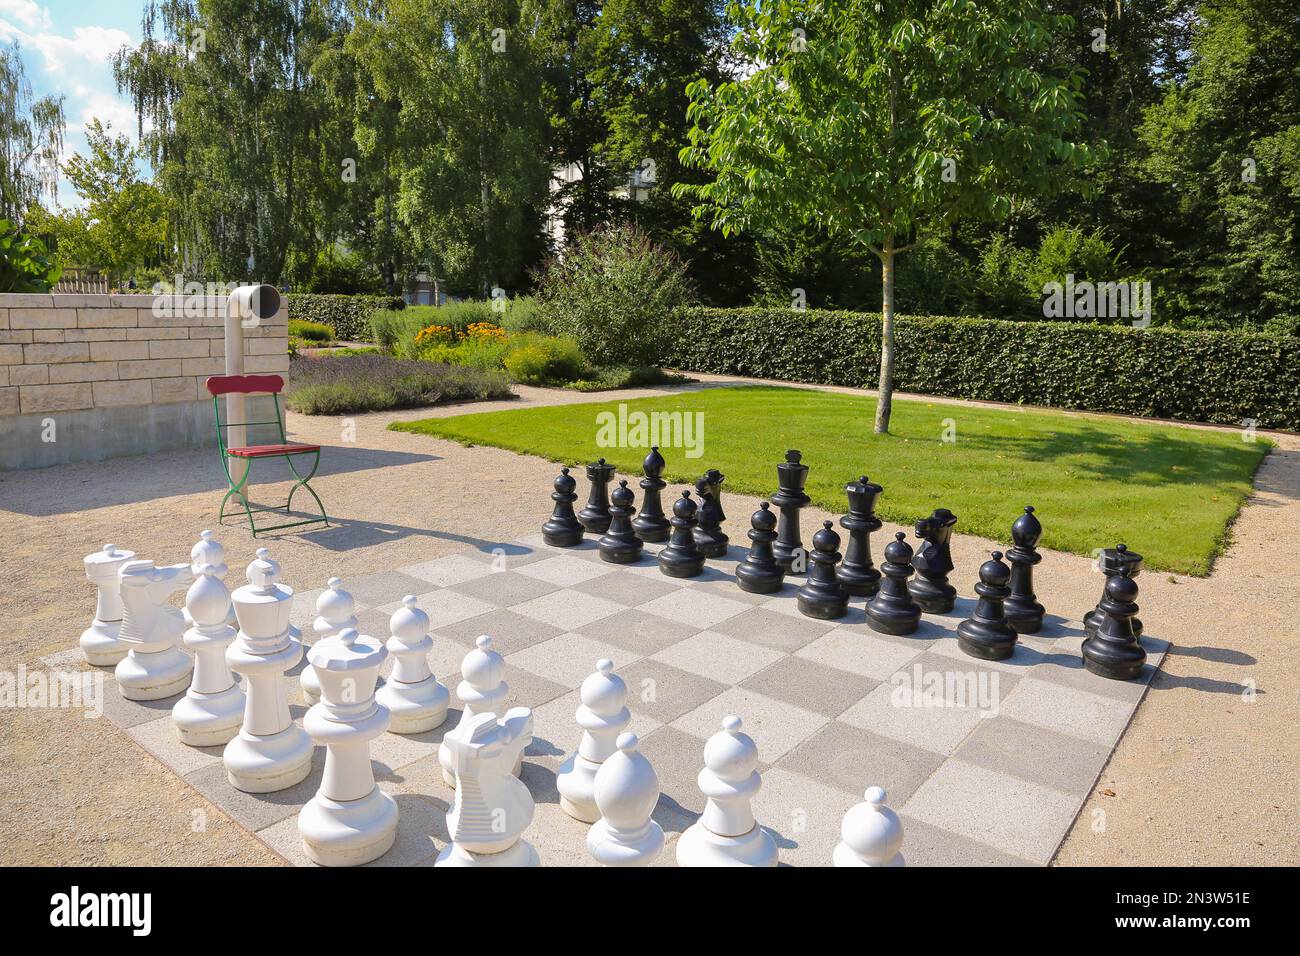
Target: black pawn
{"type": "Point", "coordinates": [1024, 613]}
{"type": "Point", "coordinates": [708, 533]}
{"type": "Point", "coordinates": [651, 524]}
{"type": "Point", "coordinates": [620, 545]}
{"type": "Point", "coordinates": [822, 596]}
{"type": "Point", "coordinates": [789, 498]}
{"type": "Point", "coordinates": [1114, 651]}
{"type": "Point", "coordinates": [856, 572]}
{"type": "Point", "coordinates": [682, 557]}
{"type": "Point", "coordinates": [563, 530]}
{"type": "Point", "coordinates": [930, 588]}
{"type": "Point", "coordinates": [760, 573]}
{"type": "Point", "coordinates": [892, 610]}
{"type": "Point", "coordinates": [986, 633]}
{"type": "Point", "coordinates": [595, 516]}
{"type": "Point", "coordinates": [1115, 562]}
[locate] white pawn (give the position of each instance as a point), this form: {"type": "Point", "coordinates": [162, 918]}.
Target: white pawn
{"type": "Point", "coordinates": [212, 710]}
{"type": "Point", "coordinates": [727, 834]}
{"type": "Point", "coordinates": [602, 717]}
{"type": "Point", "coordinates": [207, 550]}
{"type": "Point", "coordinates": [412, 694]}
{"type": "Point", "coordinates": [155, 667]}
{"type": "Point", "coordinates": [100, 642]}
{"type": "Point", "coordinates": [627, 789]}
{"type": "Point", "coordinates": [335, 609]}
{"type": "Point", "coordinates": [872, 834]}
{"type": "Point", "coordinates": [492, 808]}
{"type": "Point", "coordinates": [271, 752]}
{"type": "Point", "coordinates": [350, 821]}
{"type": "Point", "coordinates": [481, 692]}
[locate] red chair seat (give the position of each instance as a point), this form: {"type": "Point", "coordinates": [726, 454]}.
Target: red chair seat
{"type": "Point", "coordinates": [265, 451]}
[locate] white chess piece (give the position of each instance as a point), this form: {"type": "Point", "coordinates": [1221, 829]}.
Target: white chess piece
{"type": "Point", "coordinates": [872, 834]}
{"type": "Point", "coordinates": [100, 642]}
{"type": "Point", "coordinates": [155, 667]}
{"type": "Point", "coordinates": [412, 694]}
{"type": "Point", "coordinates": [335, 610]}
{"type": "Point", "coordinates": [492, 807]}
{"type": "Point", "coordinates": [350, 821]}
{"type": "Point", "coordinates": [602, 716]}
{"type": "Point", "coordinates": [271, 752]}
{"type": "Point", "coordinates": [212, 710]}
{"type": "Point", "coordinates": [207, 550]}
{"type": "Point", "coordinates": [627, 789]}
{"type": "Point", "coordinates": [481, 692]}
{"type": "Point", "coordinates": [727, 834]}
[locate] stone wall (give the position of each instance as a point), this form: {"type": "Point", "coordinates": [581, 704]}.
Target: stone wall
{"type": "Point", "coordinates": [90, 364]}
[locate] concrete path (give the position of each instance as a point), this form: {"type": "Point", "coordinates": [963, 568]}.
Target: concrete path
{"type": "Point", "coordinates": [1206, 774]}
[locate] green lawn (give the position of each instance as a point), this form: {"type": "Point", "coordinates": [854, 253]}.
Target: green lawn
{"type": "Point", "coordinates": [1167, 492]}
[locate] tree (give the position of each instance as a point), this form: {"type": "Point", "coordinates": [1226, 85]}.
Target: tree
{"type": "Point", "coordinates": [31, 137]}
{"type": "Point", "coordinates": [883, 121]}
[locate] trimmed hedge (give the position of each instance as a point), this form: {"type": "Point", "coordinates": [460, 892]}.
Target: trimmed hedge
{"type": "Point", "coordinates": [1219, 377]}
{"type": "Point", "coordinates": [348, 315]}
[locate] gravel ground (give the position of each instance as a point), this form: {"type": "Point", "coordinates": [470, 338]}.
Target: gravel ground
{"type": "Point", "coordinates": [1207, 773]}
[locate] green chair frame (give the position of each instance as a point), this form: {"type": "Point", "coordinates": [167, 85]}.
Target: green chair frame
{"type": "Point", "coordinates": [222, 385]}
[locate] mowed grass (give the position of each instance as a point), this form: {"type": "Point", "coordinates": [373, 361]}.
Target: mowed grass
{"type": "Point", "coordinates": [1170, 493]}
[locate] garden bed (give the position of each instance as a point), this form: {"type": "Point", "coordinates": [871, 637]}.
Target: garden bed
{"type": "Point", "coordinates": [364, 382]}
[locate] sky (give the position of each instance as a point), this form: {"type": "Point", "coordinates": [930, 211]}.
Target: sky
{"type": "Point", "coordinates": [66, 46]}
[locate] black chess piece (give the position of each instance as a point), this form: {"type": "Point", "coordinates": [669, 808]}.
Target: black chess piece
{"type": "Point", "coordinates": [1024, 613]}
{"type": "Point", "coordinates": [563, 530]}
{"type": "Point", "coordinates": [682, 557]}
{"type": "Point", "coordinates": [760, 572]}
{"type": "Point", "coordinates": [708, 533]}
{"type": "Point", "coordinates": [792, 475]}
{"type": "Point", "coordinates": [620, 545]}
{"type": "Point", "coordinates": [595, 515]}
{"type": "Point", "coordinates": [651, 524]}
{"type": "Point", "coordinates": [822, 596]}
{"type": "Point", "coordinates": [930, 588]}
{"type": "Point", "coordinates": [986, 633]}
{"type": "Point", "coordinates": [892, 610]}
{"type": "Point", "coordinates": [856, 572]}
{"type": "Point", "coordinates": [1115, 651]}
{"type": "Point", "coordinates": [1118, 560]}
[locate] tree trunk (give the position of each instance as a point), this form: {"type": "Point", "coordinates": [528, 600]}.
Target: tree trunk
{"type": "Point", "coordinates": [885, 398]}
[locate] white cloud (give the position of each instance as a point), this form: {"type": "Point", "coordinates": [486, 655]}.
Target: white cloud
{"type": "Point", "coordinates": [89, 44]}
{"type": "Point", "coordinates": [26, 12]}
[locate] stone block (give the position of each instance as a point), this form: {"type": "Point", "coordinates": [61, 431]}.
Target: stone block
{"type": "Point", "coordinates": [76, 352]}
{"type": "Point", "coordinates": [263, 364]}
{"type": "Point", "coordinates": [203, 366]}
{"type": "Point", "coordinates": [150, 368]}
{"type": "Point", "coordinates": [116, 351]}
{"type": "Point", "coordinates": [174, 390]}
{"type": "Point", "coordinates": [48, 336]}
{"type": "Point", "coordinates": [107, 318]}
{"type": "Point", "coordinates": [47, 318]}
{"type": "Point", "coordinates": [157, 333]}
{"type": "Point", "coordinates": [266, 346]}
{"type": "Point", "coordinates": [94, 335]}
{"type": "Point", "coordinates": [4, 375]}
{"type": "Point", "coordinates": [4, 318]}
{"type": "Point", "coordinates": [180, 348]}
{"type": "Point", "coordinates": [55, 398]}
{"type": "Point", "coordinates": [83, 372]}
{"type": "Point", "coordinates": [135, 392]}
{"type": "Point", "coordinates": [11, 354]}
{"type": "Point", "coordinates": [216, 332]}
{"type": "Point", "coordinates": [9, 404]}
{"type": "Point", "coordinates": [26, 300]}
{"type": "Point", "coordinates": [29, 375]}
{"type": "Point", "coordinates": [15, 337]}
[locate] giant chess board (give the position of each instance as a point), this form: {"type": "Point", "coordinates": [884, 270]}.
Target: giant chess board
{"type": "Point", "coordinates": [985, 763]}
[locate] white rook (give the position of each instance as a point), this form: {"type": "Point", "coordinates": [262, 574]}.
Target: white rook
{"type": "Point", "coordinates": [271, 751]}
{"type": "Point", "coordinates": [212, 709]}
{"type": "Point", "coordinates": [155, 667]}
{"type": "Point", "coordinates": [412, 694]}
{"type": "Point", "coordinates": [100, 642]}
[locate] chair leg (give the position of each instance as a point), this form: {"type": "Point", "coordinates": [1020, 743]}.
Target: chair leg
{"type": "Point", "coordinates": [302, 482]}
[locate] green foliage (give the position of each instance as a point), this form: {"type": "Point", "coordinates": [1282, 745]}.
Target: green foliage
{"type": "Point", "coordinates": [1220, 377]}
{"type": "Point", "coordinates": [477, 353]}
{"type": "Point", "coordinates": [1069, 250]}
{"type": "Point", "coordinates": [645, 376]}
{"type": "Point", "coordinates": [611, 292]}
{"type": "Point", "coordinates": [335, 385]}
{"type": "Point", "coordinates": [544, 360]}
{"type": "Point", "coordinates": [1087, 475]}
{"type": "Point", "coordinates": [25, 266]}
{"type": "Point", "coordinates": [311, 331]}
{"type": "Point", "coordinates": [348, 315]}
{"type": "Point", "coordinates": [31, 139]}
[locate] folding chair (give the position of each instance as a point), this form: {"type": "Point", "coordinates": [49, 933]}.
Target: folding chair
{"type": "Point", "coordinates": [273, 385]}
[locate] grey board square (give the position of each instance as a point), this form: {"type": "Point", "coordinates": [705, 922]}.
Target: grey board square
{"type": "Point", "coordinates": [505, 589]}
{"type": "Point", "coordinates": [1032, 753]}
{"type": "Point", "coordinates": [926, 845]}
{"type": "Point", "coordinates": [678, 759]}
{"type": "Point", "coordinates": [625, 589]}
{"type": "Point", "coordinates": [663, 692]}
{"type": "Point", "coordinates": [811, 686]}
{"type": "Point", "coordinates": [509, 631]}
{"type": "Point", "coordinates": [760, 625]}
{"type": "Point", "coordinates": [130, 713]}
{"type": "Point", "coordinates": [853, 759]}
{"type": "Point", "coordinates": [638, 631]}
{"type": "Point", "coordinates": [258, 810]}
{"type": "Point", "coordinates": [384, 588]}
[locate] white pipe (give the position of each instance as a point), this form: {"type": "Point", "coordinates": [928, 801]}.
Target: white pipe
{"type": "Point", "coordinates": [246, 307]}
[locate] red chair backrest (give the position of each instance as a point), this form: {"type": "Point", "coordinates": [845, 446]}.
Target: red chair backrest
{"type": "Point", "coordinates": [244, 384]}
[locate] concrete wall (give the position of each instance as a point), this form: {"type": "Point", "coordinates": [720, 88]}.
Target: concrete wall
{"type": "Point", "coordinates": [87, 377]}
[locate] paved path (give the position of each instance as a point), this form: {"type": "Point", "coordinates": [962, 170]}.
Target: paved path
{"type": "Point", "coordinates": [1206, 774]}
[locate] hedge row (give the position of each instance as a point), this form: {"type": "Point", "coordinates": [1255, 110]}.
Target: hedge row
{"type": "Point", "coordinates": [348, 315]}
{"type": "Point", "coordinates": [1220, 377]}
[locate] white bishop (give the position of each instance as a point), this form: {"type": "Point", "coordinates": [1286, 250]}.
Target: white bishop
{"type": "Point", "coordinates": [602, 716]}
{"type": "Point", "coordinates": [412, 694]}
{"type": "Point", "coordinates": [627, 790]}
{"type": "Point", "coordinates": [335, 610]}
{"type": "Point", "coordinates": [208, 550]}
{"type": "Point", "coordinates": [727, 834]}
{"type": "Point", "coordinates": [481, 692]}
{"type": "Point", "coordinates": [872, 834]}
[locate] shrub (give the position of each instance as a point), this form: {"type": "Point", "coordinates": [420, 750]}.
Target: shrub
{"type": "Point", "coordinates": [311, 331]}
{"type": "Point", "coordinates": [612, 292]}
{"type": "Point", "coordinates": [333, 385]}
{"type": "Point", "coordinates": [1220, 377]}
{"type": "Point", "coordinates": [25, 265]}
{"type": "Point", "coordinates": [348, 315]}
{"type": "Point", "coordinates": [544, 360]}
